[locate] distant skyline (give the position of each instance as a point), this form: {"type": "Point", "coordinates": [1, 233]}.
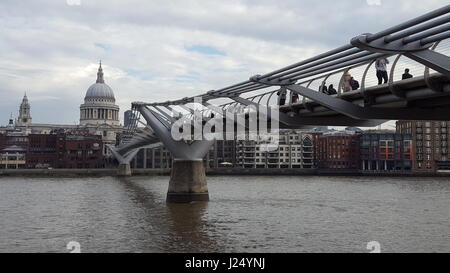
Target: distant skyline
{"type": "Point", "coordinates": [161, 50]}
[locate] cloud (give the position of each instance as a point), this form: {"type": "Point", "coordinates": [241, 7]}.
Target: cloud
{"type": "Point", "coordinates": [160, 50]}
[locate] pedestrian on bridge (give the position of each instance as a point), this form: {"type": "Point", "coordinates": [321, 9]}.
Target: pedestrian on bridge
{"type": "Point", "coordinates": [282, 96]}
{"type": "Point", "coordinates": [331, 90]}
{"type": "Point", "coordinates": [346, 86]}
{"type": "Point", "coordinates": [323, 88]}
{"type": "Point", "coordinates": [354, 84]}
{"type": "Point", "coordinates": [406, 75]}
{"type": "Point", "coordinates": [294, 97]}
{"type": "Point", "coordinates": [381, 67]}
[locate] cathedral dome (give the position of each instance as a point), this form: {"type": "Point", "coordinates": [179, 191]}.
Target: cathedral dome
{"type": "Point", "coordinates": [99, 107]}
{"type": "Point", "coordinates": [100, 90]}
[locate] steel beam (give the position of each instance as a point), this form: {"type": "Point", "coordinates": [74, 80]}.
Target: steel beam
{"type": "Point", "coordinates": [432, 59]}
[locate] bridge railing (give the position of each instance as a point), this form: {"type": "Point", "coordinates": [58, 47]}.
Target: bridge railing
{"type": "Point", "coordinates": [365, 73]}
{"type": "Point", "coordinates": [132, 126]}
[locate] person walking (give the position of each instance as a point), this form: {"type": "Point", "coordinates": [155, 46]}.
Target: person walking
{"type": "Point", "coordinates": [406, 75]}
{"type": "Point", "coordinates": [381, 67]}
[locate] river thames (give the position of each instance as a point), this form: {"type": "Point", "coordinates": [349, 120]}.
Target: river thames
{"type": "Point", "coordinates": [245, 214]}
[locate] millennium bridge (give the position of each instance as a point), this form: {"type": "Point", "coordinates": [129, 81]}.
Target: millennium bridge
{"type": "Point", "coordinates": [300, 96]}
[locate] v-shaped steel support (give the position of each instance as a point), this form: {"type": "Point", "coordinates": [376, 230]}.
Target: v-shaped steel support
{"type": "Point", "coordinates": [179, 149]}
{"type": "Point", "coordinates": [126, 158]}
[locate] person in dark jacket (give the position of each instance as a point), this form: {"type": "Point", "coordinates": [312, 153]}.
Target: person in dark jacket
{"type": "Point", "coordinates": [323, 88]}
{"type": "Point", "coordinates": [406, 75]}
{"type": "Point", "coordinates": [331, 90]}
{"type": "Point", "coordinates": [282, 96]}
{"type": "Point", "coordinates": [294, 97]}
{"type": "Point", "coordinates": [354, 84]}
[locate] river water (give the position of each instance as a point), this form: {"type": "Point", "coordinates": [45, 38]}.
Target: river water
{"type": "Point", "coordinates": [245, 214]}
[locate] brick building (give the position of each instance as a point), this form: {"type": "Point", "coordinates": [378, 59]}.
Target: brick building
{"type": "Point", "coordinates": [430, 142]}
{"type": "Point", "coordinates": [79, 151]}
{"type": "Point", "coordinates": [2, 141]}
{"type": "Point", "coordinates": [42, 152]}
{"type": "Point", "coordinates": [338, 150]}
{"type": "Point", "coordinates": [74, 149]}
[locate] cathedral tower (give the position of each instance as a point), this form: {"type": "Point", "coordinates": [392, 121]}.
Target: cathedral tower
{"type": "Point", "coordinates": [24, 118]}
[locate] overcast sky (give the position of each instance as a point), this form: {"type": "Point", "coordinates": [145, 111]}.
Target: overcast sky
{"type": "Point", "coordinates": [159, 50]}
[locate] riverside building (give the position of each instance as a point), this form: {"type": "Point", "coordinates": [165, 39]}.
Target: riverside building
{"type": "Point", "coordinates": [430, 142]}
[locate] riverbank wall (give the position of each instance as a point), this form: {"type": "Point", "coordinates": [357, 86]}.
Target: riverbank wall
{"type": "Point", "coordinates": [209, 172]}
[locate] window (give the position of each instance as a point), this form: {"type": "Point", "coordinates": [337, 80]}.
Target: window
{"type": "Point", "coordinates": [307, 141]}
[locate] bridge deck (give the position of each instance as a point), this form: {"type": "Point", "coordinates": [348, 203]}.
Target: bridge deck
{"type": "Point", "coordinates": [414, 89]}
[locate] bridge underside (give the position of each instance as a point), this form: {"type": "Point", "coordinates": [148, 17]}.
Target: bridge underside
{"type": "Point", "coordinates": [413, 100]}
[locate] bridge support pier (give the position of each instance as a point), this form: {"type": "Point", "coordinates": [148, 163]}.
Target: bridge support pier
{"type": "Point", "coordinates": [124, 169]}
{"type": "Point", "coordinates": [187, 182]}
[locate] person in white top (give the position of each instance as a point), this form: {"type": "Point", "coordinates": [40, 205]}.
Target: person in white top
{"type": "Point", "coordinates": [381, 67]}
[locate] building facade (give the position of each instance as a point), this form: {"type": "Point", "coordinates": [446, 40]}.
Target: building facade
{"type": "Point", "coordinates": [338, 150]}
{"type": "Point", "coordinates": [222, 154]}
{"type": "Point", "coordinates": [42, 151]}
{"type": "Point", "coordinates": [63, 150]}
{"type": "Point", "coordinates": [12, 157]}
{"type": "Point", "coordinates": [430, 142]}
{"type": "Point", "coordinates": [80, 151]}
{"type": "Point", "coordinates": [294, 150]}
{"type": "Point", "coordinates": [385, 151]}
{"type": "Point", "coordinates": [154, 158]}
{"type": "Point", "coordinates": [13, 147]}
{"type": "Point", "coordinates": [128, 118]}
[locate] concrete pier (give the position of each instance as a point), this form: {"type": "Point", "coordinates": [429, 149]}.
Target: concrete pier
{"type": "Point", "coordinates": [187, 182]}
{"type": "Point", "coordinates": [124, 170]}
